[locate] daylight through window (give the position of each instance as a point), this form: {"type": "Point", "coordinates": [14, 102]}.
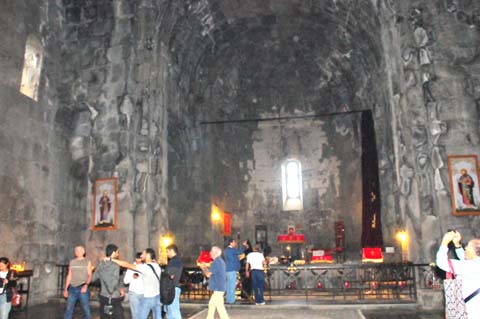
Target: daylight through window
{"type": "Point", "coordinates": [292, 185]}
{"type": "Point", "coordinates": [32, 64]}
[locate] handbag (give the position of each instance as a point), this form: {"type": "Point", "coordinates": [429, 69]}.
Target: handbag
{"type": "Point", "coordinates": [454, 304]}
{"type": "Point", "coordinates": [16, 298]}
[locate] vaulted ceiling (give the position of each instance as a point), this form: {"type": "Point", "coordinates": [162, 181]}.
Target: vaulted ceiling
{"type": "Point", "coordinates": [283, 54]}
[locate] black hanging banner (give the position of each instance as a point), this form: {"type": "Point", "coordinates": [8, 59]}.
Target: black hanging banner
{"type": "Point", "coordinates": [371, 216]}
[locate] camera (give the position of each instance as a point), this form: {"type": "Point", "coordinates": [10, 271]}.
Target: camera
{"type": "Point", "coordinates": [108, 310]}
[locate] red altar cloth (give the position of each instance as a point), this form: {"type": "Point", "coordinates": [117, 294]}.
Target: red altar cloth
{"type": "Point", "coordinates": [291, 239]}
{"type": "Point", "coordinates": [370, 254]}
{"type": "Point", "coordinates": [321, 256]}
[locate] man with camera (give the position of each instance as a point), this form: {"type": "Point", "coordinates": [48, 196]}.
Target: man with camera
{"type": "Point", "coordinates": [467, 268]}
{"type": "Point", "coordinates": [111, 293]}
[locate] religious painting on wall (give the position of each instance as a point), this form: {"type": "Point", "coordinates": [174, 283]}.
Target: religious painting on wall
{"type": "Point", "coordinates": [105, 204]}
{"type": "Point", "coordinates": [464, 188]}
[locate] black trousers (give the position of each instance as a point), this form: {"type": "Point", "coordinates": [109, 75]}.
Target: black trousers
{"type": "Point", "coordinates": [117, 308]}
{"type": "Point", "coordinates": [246, 287]}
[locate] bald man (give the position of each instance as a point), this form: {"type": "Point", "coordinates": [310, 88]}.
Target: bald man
{"type": "Point", "coordinates": [216, 283]}
{"type": "Point", "coordinates": [467, 268]}
{"type": "Point", "coordinates": [76, 284]}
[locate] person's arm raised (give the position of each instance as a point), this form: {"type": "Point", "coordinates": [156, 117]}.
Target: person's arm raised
{"type": "Point", "coordinates": [124, 264]}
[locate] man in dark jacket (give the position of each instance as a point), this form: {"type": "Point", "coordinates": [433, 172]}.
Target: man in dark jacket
{"type": "Point", "coordinates": [174, 270]}
{"type": "Point", "coordinates": [111, 293]}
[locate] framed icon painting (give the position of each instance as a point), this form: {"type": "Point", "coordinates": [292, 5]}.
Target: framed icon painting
{"type": "Point", "coordinates": [105, 204]}
{"type": "Point", "coordinates": [464, 188]}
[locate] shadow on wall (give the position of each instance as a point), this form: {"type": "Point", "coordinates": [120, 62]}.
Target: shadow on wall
{"type": "Point", "coordinates": [18, 210]}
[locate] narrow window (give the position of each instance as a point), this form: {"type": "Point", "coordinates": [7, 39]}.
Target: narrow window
{"type": "Point", "coordinates": [292, 185]}
{"type": "Point", "coordinates": [32, 65]}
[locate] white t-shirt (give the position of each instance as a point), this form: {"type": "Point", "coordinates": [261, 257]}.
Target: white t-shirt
{"type": "Point", "coordinates": [3, 275]}
{"type": "Point", "coordinates": [151, 285]}
{"type": "Point", "coordinates": [255, 259]}
{"type": "Point", "coordinates": [136, 284]}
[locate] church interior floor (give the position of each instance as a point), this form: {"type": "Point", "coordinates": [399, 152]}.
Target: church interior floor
{"type": "Point", "coordinates": [54, 310]}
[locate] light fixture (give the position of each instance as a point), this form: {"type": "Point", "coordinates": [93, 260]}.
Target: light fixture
{"type": "Point", "coordinates": [166, 240]}
{"type": "Point", "coordinates": [402, 237]}
{"type": "Point", "coordinates": [216, 214]}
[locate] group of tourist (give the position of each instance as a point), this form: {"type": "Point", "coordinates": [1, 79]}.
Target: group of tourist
{"type": "Point", "coordinates": [142, 276]}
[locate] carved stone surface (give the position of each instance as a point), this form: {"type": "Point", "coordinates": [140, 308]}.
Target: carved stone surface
{"type": "Point", "coordinates": [176, 100]}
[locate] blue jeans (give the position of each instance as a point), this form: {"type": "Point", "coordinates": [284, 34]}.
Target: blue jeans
{"type": "Point", "coordinates": [258, 284]}
{"type": "Point", "coordinates": [74, 295]}
{"type": "Point", "coordinates": [135, 301]}
{"type": "Point", "coordinates": [231, 286]}
{"type": "Point", "coordinates": [4, 306]}
{"type": "Point", "coordinates": [150, 303]}
{"type": "Point", "coordinates": [173, 310]}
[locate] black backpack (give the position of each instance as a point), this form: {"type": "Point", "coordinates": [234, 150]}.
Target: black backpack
{"type": "Point", "coordinates": [167, 289]}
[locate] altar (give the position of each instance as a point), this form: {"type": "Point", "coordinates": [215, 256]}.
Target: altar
{"type": "Point", "coordinates": [293, 250]}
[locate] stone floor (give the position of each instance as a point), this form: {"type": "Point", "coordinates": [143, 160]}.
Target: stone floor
{"type": "Point", "coordinates": [322, 312]}
{"type": "Point", "coordinates": [375, 314]}
{"type": "Point", "coordinates": [54, 310]}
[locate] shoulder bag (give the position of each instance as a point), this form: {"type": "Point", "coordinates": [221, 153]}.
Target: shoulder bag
{"type": "Point", "coordinates": [454, 304]}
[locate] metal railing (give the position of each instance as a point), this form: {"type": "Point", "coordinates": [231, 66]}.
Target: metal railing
{"type": "Point", "coordinates": [345, 283]}
{"type": "Point", "coordinates": [333, 283]}
{"type": "Point", "coordinates": [324, 283]}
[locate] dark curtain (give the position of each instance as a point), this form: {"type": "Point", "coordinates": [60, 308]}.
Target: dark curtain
{"type": "Point", "coordinates": [371, 216]}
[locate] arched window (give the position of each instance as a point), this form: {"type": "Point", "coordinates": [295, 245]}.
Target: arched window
{"type": "Point", "coordinates": [32, 66]}
{"type": "Point", "coordinates": [292, 185]}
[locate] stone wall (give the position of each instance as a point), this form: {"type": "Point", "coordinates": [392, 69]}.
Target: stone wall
{"type": "Point", "coordinates": [42, 197]}
{"type": "Point", "coordinates": [115, 75]}
{"type": "Point", "coordinates": [329, 152]}
{"type": "Point", "coordinates": [433, 85]}
{"type": "Point", "coordinates": [294, 60]}
{"type": "Point", "coordinates": [415, 67]}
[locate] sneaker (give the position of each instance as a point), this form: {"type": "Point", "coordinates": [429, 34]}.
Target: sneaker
{"type": "Point", "coordinates": [260, 304]}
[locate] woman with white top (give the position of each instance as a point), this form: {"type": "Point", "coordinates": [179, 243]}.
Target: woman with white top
{"type": "Point", "coordinates": [467, 268]}
{"type": "Point", "coordinates": [135, 289]}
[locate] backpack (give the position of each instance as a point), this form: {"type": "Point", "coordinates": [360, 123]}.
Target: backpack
{"type": "Point", "coordinates": [167, 289]}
